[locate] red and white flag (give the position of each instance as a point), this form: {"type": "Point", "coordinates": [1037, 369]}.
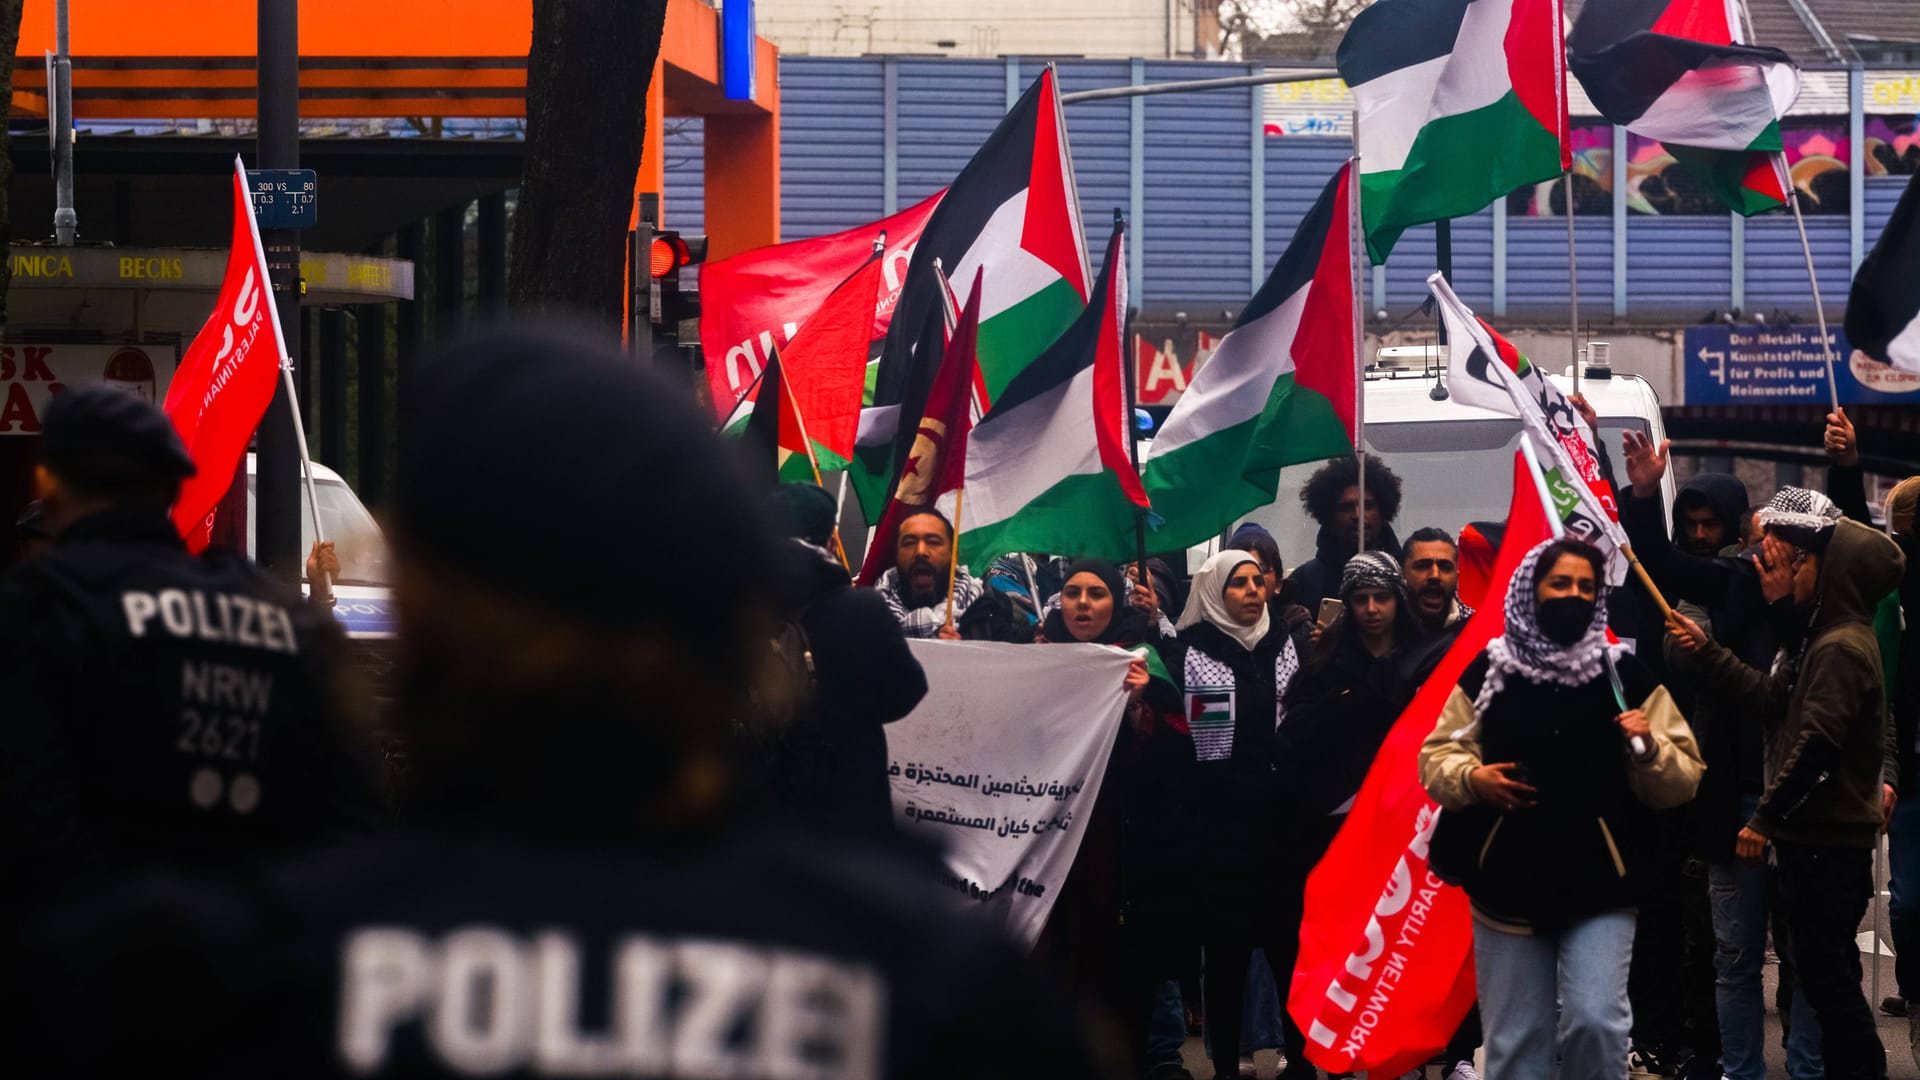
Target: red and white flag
{"type": "Point", "coordinates": [226, 379]}
{"type": "Point", "coordinates": [1385, 973]}
{"type": "Point", "coordinates": [757, 301]}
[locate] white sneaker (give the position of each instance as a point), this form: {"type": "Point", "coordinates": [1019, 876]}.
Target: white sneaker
{"type": "Point", "coordinates": [1463, 1070]}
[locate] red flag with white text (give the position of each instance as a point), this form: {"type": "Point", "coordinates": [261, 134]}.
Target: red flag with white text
{"type": "Point", "coordinates": [227, 377]}
{"type": "Point", "coordinates": [1385, 973]}
{"type": "Point", "coordinates": [757, 301]}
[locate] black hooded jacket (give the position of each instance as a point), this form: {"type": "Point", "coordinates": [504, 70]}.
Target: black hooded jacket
{"type": "Point", "coordinates": [1319, 577]}
{"type": "Point", "coordinates": [1338, 712]}
{"type": "Point", "coordinates": [864, 677]}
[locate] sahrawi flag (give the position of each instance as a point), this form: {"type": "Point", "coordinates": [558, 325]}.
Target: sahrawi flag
{"type": "Point", "coordinates": [823, 373]}
{"type": "Point", "coordinates": [1279, 389]}
{"type": "Point", "coordinates": [1458, 102]}
{"type": "Point", "coordinates": [1385, 972]}
{"type": "Point", "coordinates": [226, 379]}
{"type": "Point", "coordinates": [1883, 311]}
{"type": "Point", "coordinates": [1048, 468]}
{"type": "Point", "coordinates": [1680, 71]}
{"type": "Point", "coordinates": [1014, 213]}
{"type": "Point", "coordinates": [1485, 370]}
{"type": "Point", "coordinates": [937, 463]}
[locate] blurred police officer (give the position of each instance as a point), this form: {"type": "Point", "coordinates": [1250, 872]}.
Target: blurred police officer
{"type": "Point", "coordinates": [578, 893]}
{"type": "Point", "coordinates": [160, 708]}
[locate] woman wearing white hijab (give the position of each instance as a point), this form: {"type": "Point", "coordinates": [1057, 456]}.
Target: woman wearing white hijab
{"type": "Point", "coordinates": [1548, 762]}
{"type": "Point", "coordinates": [1232, 660]}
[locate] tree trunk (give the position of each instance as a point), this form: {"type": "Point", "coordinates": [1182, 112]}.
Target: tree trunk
{"type": "Point", "coordinates": [587, 76]}
{"type": "Point", "coordinates": [9, 44]}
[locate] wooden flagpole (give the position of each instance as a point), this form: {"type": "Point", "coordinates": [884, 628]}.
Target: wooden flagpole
{"type": "Point", "coordinates": [953, 561]}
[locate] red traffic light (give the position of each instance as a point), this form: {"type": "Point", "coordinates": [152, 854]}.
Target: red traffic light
{"type": "Point", "coordinates": [668, 253]}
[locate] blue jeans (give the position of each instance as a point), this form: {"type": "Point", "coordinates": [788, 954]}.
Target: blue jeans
{"type": "Point", "coordinates": [1584, 968]}
{"type": "Point", "coordinates": [1739, 894]}
{"type": "Point", "coordinates": [1167, 1028]}
{"type": "Point", "coordinates": [1903, 886]}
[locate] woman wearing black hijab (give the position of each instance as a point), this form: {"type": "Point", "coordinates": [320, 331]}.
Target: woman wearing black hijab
{"type": "Point", "coordinates": [1083, 936]}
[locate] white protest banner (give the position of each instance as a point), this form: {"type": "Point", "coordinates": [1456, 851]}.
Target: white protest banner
{"type": "Point", "coordinates": [1001, 763]}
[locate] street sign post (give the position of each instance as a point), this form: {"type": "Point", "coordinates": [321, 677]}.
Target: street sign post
{"type": "Point", "coordinates": [1784, 365]}
{"type": "Point", "coordinates": [284, 198]}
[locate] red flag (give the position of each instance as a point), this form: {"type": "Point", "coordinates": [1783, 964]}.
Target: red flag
{"type": "Point", "coordinates": [938, 462]}
{"type": "Point", "coordinates": [1382, 983]}
{"type": "Point", "coordinates": [226, 379]}
{"type": "Point", "coordinates": [757, 301]}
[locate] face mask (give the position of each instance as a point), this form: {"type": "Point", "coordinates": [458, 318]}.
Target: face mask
{"type": "Point", "coordinates": [1565, 619]}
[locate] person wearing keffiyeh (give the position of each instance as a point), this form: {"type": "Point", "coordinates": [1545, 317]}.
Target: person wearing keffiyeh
{"type": "Point", "coordinates": [1547, 819]}
{"type": "Point", "coordinates": [1831, 764]}
{"type": "Point", "coordinates": [915, 587]}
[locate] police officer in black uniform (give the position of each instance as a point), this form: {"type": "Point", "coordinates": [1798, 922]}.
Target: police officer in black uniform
{"type": "Point", "coordinates": [156, 708]}
{"type": "Point", "coordinates": [585, 586]}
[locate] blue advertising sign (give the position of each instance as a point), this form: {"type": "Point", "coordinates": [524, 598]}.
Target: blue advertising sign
{"type": "Point", "coordinates": [1762, 365]}
{"type": "Point", "coordinates": [737, 49]}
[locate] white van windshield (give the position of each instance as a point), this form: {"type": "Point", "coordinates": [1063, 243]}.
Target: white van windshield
{"type": "Point", "coordinates": [1451, 472]}
{"type": "Point", "coordinates": [356, 538]}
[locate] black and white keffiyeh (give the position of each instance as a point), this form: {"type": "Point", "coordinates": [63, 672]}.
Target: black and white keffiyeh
{"type": "Point", "coordinates": [1373, 570]}
{"type": "Point", "coordinates": [1801, 517]}
{"type": "Point", "coordinates": [1525, 650]}
{"type": "Point", "coordinates": [925, 622]}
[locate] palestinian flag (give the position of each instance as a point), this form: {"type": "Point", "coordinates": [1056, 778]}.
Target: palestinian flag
{"type": "Point", "coordinates": [1049, 468]}
{"type": "Point", "coordinates": [1280, 388]}
{"type": "Point", "coordinates": [825, 370]}
{"type": "Point", "coordinates": [1883, 311]}
{"type": "Point", "coordinates": [1458, 103]}
{"type": "Point", "coordinates": [1014, 213]}
{"type": "Point", "coordinates": [1681, 72]}
{"type": "Point", "coordinates": [936, 462]}
{"type": "Point", "coordinates": [779, 433]}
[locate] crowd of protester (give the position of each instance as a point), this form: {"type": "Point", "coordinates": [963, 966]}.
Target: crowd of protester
{"type": "Point", "coordinates": [617, 794]}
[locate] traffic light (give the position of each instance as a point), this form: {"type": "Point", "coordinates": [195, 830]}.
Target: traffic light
{"type": "Point", "coordinates": [672, 304]}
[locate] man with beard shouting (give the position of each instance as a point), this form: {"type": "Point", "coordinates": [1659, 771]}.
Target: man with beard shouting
{"type": "Point", "coordinates": [916, 588]}
{"type": "Point", "coordinates": [1430, 561]}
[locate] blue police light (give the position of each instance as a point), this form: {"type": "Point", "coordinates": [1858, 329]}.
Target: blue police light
{"type": "Point", "coordinates": [737, 50]}
{"type": "Point", "coordinates": [1143, 421]}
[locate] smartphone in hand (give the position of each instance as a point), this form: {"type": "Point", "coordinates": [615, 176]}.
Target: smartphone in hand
{"type": "Point", "coordinates": [1330, 611]}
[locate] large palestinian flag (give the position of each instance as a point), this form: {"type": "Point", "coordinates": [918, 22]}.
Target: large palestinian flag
{"type": "Point", "coordinates": [1280, 388]}
{"type": "Point", "coordinates": [1680, 71]}
{"type": "Point", "coordinates": [1049, 468]}
{"type": "Point", "coordinates": [1883, 311]}
{"type": "Point", "coordinates": [1014, 213]}
{"type": "Point", "coordinates": [1458, 103]}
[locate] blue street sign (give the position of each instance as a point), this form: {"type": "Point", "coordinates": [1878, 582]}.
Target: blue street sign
{"type": "Point", "coordinates": [284, 198]}
{"type": "Point", "coordinates": [1764, 365]}
{"type": "Point", "coordinates": [737, 49]}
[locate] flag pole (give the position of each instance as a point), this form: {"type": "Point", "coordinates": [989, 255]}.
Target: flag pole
{"type": "Point", "coordinates": [1356, 256]}
{"type": "Point", "coordinates": [286, 365]}
{"type": "Point", "coordinates": [1573, 287]}
{"type": "Point", "coordinates": [953, 560]}
{"type": "Point", "coordinates": [813, 462]}
{"type": "Point", "coordinates": [1132, 366]}
{"type": "Point", "coordinates": [1813, 279]}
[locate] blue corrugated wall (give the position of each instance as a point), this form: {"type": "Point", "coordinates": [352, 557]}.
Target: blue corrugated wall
{"type": "Point", "coordinates": [1195, 227]}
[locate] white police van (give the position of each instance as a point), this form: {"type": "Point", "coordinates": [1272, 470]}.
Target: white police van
{"type": "Point", "coordinates": [1454, 461]}
{"type": "Point", "coordinates": [363, 596]}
